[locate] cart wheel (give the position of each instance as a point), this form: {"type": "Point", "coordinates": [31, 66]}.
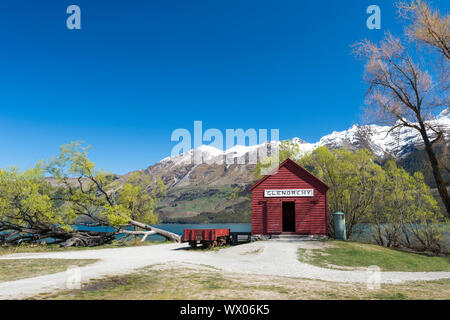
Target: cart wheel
{"type": "Point", "coordinates": [193, 244]}
{"type": "Point", "coordinates": [214, 244]}
{"type": "Point", "coordinates": [207, 244]}
{"type": "Point", "coordinates": [222, 241]}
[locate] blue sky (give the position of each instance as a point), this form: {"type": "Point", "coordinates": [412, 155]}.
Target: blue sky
{"type": "Point", "coordinates": [137, 70]}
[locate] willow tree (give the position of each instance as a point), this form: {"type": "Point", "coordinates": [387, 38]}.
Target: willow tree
{"type": "Point", "coordinates": [286, 149]}
{"type": "Point", "coordinates": [27, 210]}
{"type": "Point", "coordinates": [426, 25]}
{"type": "Point", "coordinates": [354, 180]}
{"type": "Point", "coordinates": [32, 208]}
{"type": "Point", "coordinates": [139, 200]}
{"type": "Point", "coordinates": [407, 92]}
{"type": "Point", "coordinates": [405, 212]}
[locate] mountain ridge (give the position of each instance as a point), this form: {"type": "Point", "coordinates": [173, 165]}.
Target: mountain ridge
{"type": "Point", "coordinates": [384, 141]}
{"type": "Point", "coordinates": [204, 189]}
{"type": "Point", "coordinates": [378, 139]}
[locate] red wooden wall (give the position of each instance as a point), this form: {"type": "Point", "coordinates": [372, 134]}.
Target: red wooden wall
{"type": "Point", "coordinates": [311, 213]}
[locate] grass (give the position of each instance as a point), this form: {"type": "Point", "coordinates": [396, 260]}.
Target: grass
{"type": "Point", "coordinates": [29, 248]}
{"type": "Point", "coordinates": [339, 254]}
{"type": "Point", "coordinates": [27, 268]}
{"type": "Point", "coordinates": [183, 281]}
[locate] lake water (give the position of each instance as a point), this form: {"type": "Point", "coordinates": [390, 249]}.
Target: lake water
{"type": "Point", "coordinates": [179, 228]}
{"type": "Point", "coordinates": [362, 232]}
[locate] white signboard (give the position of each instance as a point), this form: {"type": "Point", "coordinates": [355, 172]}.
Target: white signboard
{"type": "Point", "coordinates": [289, 193]}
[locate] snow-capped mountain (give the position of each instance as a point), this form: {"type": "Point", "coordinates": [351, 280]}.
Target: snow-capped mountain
{"type": "Point", "coordinates": [206, 175]}
{"type": "Point", "coordinates": [207, 165]}
{"type": "Point", "coordinates": [379, 139]}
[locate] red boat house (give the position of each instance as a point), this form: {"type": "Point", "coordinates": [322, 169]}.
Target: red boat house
{"type": "Point", "coordinates": [290, 201]}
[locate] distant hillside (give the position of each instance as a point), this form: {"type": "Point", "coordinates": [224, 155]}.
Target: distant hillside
{"type": "Point", "coordinates": [185, 204]}
{"type": "Point", "coordinates": [418, 161]}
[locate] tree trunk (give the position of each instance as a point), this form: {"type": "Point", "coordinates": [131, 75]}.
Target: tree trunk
{"type": "Point", "coordinates": [144, 234]}
{"type": "Point", "coordinates": [440, 183]}
{"type": "Point", "coordinates": [87, 239]}
{"type": "Point", "coordinates": [166, 234]}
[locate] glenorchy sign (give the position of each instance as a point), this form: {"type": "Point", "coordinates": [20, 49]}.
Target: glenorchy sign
{"type": "Point", "coordinates": [289, 193]}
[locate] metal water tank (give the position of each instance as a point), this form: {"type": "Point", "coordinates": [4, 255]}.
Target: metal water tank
{"type": "Point", "coordinates": [339, 226]}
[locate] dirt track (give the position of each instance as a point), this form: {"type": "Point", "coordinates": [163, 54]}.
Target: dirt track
{"type": "Point", "coordinates": [262, 257]}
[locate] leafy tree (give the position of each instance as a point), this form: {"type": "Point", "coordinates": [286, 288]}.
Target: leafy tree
{"type": "Point", "coordinates": [286, 149]}
{"type": "Point", "coordinates": [26, 207]}
{"type": "Point", "coordinates": [81, 187]}
{"type": "Point", "coordinates": [235, 193]}
{"type": "Point", "coordinates": [135, 197]}
{"type": "Point", "coordinates": [32, 209]}
{"type": "Point", "coordinates": [393, 206]}
{"type": "Point", "coordinates": [405, 211]}
{"type": "Point", "coordinates": [354, 181]}
{"type": "Point", "coordinates": [426, 222]}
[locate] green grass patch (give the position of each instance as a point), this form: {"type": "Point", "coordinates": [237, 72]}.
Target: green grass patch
{"type": "Point", "coordinates": [353, 254]}
{"type": "Point", "coordinates": [15, 269]}
{"type": "Point", "coordinates": [390, 296]}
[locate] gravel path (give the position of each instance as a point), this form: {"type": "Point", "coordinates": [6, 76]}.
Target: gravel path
{"type": "Point", "coordinates": [262, 257]}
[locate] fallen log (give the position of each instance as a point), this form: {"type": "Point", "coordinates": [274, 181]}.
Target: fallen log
{"type": "Point", "coordinates": [145, 234]}
{"type": "Point", "coordinates": [148, 233]}
{"type": "Point", "coordinates": [83, 238]}
{"type": "Point", "coordinates": [87, 239]}
{"type": "Point", "coordinates": [166, 234]}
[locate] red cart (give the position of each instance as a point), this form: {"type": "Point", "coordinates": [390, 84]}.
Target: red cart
{"type": "Point", "coordinates": [207, 237]}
